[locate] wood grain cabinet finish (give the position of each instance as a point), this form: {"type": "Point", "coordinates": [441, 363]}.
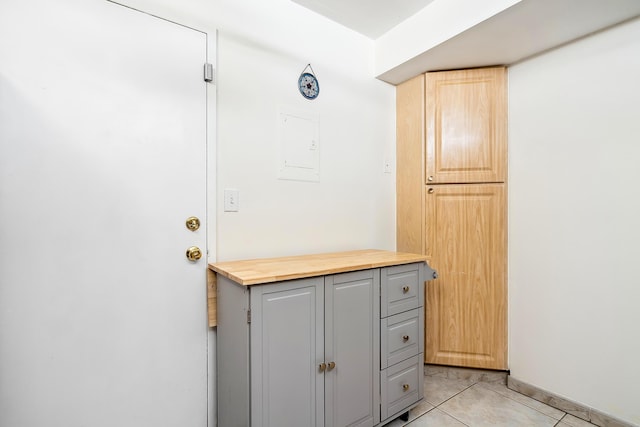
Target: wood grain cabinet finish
{"type": "Point", "coordinates": [308, 351]}
{"type": "Point", "coordinates": [467, 304]}
{"type": "Point", "coordinates": [410, 166]}
{"type": "Point", "coordinates": [466, 130]}
{"type": "Point", "coordinates": [451, 206]}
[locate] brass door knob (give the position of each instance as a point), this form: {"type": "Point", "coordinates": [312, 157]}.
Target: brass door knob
{"type": "Point", "coordinates": [430, 191]}
{"type": "Point", "coordinates": [194, 253]}
{"type": "Point", "coordinates": [405, 387]}
{"type": "Point", "coordinates": [192, 223]}
{"type": "Point", "coordinates": [405, 338]}
{"type": "Point", "coordinates": [331, 366]}
{"type": "Point", "coordinates": [405, 289]}
{"type": "Point", "coordinates": [322, 367]}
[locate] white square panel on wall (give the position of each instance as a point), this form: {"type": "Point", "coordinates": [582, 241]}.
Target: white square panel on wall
{"type": "Point", "coordinates": [299, 157]}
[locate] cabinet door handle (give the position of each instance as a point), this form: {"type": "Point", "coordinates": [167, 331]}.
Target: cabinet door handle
{"type": "Point", "coordinates": [331, 366]}
{"type": "Point", "coordinates": [405, 387]}
{"type": "Point", "coordinates": [405, 289]}
{"type": "Point", "coordinates": [430, 178]}
{"type": "Point", "coordinates": [322, 367]}
{"type": "Point", "coordinates": [405, 338]}
{"type": "Point", "coordinates": [430, 191]}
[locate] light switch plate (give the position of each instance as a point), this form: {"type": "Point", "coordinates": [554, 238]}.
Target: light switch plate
{"type": "Point", "coordinates": [386, 166]}
{"type": "Point", "coordinates": [231, 200]}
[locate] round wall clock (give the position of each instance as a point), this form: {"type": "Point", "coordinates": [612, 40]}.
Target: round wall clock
{"type": "Point", "coordinates": [308, 84]}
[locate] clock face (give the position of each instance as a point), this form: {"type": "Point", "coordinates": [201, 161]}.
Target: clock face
{"type": "Point", "coordinates": [308, 85]}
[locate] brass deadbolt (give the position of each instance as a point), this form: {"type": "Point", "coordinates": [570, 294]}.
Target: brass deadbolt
{"type": "Point", "coordinates": [194, 253]}
{"type": "Point", "coordinates": [192, 223]}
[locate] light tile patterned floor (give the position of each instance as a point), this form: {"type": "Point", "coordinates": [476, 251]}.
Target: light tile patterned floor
{"type": "Point", "coordinates": [466, 402]}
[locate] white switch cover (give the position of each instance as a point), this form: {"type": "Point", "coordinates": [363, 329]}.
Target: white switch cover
{"type": "Point", "coordinates": [386, 166]}
{"type": "Point", "coordinates": [231, 200]}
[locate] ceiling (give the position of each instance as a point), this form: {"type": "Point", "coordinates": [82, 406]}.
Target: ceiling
{"type": "Point", "coordinates": [372, 18]}
{"type": "Point", "coordinates": [521, 29]}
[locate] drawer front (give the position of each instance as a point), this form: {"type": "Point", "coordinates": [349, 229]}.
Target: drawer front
{"type": "Point", "coordinates": [401, 337]}
{"type": "Point", "coordinates": [402, 386]}
{"type": "Point", "coordinates": [402, 288]}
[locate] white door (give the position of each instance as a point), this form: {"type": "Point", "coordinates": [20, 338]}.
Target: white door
{"type": "Point", "coordinates": [102, 159]}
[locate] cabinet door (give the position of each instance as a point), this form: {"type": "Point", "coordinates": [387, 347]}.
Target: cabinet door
{"type": "Point", "coordinates": [466, 126]}
{"type": "Point", "coordinates": [352, 342]}
{"type": "Point", "coordinates": [287, 346]}
{"type": "Point", "coordinates": [466, 305]}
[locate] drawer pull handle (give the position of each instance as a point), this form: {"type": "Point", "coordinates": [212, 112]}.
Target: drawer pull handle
{"type": "Point", "coordinates": [331, 366]}
{"type": "Point", "coordinates": [322, 367]}
{"type": "Point", "coordinates": [405, 289]}
{"type": "Point", "coordinates": [405, 387]}
{"type": "Point", "coordinates": [405, 338]}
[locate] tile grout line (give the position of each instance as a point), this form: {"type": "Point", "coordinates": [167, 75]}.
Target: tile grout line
{"type": "Point", "coordinates": [560, 420]}
{"type": "Point", "coordinates": [443, 402]}
{"type": "Point", "coordinates": [452, 416]}
{"type": "Point", "coordinates": [529, 406]}
{"type": "Point", "coordinates": [441, 410]}
{"type": "Point", "coordinates": [466, 388]}
{"type": "Point", "coordinates": [557, 421]}
{"type": "Point", "coordinates": [438, 407]}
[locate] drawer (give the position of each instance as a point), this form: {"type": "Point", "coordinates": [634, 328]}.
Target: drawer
{"type": "Point", "coordinates": [401, 337]}
{"type": "Point", "coordinates": [401, 288]}
{"type": "Point", "coordinates": [401, 385]}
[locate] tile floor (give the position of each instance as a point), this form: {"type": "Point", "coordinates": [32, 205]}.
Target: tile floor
{"type": "Point", "coordinates": [467, 402]}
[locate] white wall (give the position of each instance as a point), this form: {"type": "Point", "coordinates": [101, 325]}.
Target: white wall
{"type": "Point", "coordinates": [574, 221]}
{"type": "Point", "coordinates": [262, 49]}
{"type": "Point", "coordinates": [353, 205]}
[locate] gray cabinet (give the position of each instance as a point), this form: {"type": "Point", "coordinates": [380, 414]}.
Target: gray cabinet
{"type": "Point", "coordinates": [286, 336]}
{"type": "Point", "coordinates": [402, 343]}
{"type": "Point", "coordinates": [352, 342]}
{"type": "Point", "coordinates": [318, 351]}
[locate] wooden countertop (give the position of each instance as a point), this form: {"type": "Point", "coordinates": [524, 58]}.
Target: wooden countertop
{"type": "Point", "coordinates": [269, 270]}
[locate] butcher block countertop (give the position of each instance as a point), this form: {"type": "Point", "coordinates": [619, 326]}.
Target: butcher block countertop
{"type": "Point", "coordinates": [269, 270]}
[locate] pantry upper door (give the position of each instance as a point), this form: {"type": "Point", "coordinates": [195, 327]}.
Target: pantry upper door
{"type": "Point", "coordinates": [102, 160]}
{"type": "Point", "coordinates": [466, 127]}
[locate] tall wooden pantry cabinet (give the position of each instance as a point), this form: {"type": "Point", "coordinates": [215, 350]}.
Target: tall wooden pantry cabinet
{"type": "Point", "coordinates": [451, 206]}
